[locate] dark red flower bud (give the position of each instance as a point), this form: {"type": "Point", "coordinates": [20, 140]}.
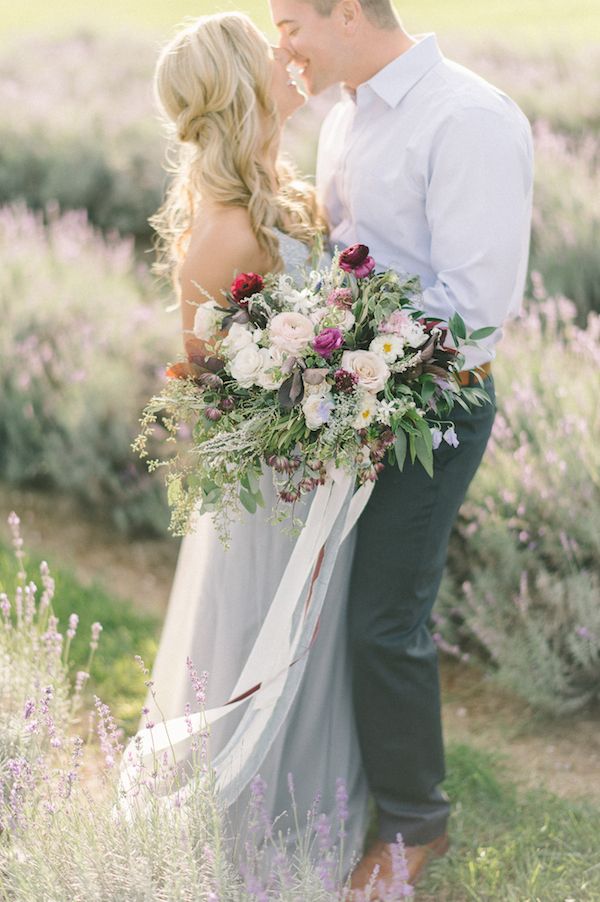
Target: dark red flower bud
{"type": "Point", "coordinates": [355, 259]}
{"type": "Point", "coordinates": [245, 285]}
{"type": "Point", "coordinates": [212, 414]}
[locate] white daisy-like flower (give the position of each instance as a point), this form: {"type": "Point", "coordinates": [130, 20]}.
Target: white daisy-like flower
{"type": "Point", "coordinates": [389, 346]}
{"type": "Point", "coordinates": [366, 410]}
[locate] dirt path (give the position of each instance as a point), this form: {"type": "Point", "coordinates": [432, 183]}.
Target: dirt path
{"type": "Point", "coordinates": [563, 756]}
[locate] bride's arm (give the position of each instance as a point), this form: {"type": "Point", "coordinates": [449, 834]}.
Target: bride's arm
{"type": "Point", "coordinates": [221, 246]}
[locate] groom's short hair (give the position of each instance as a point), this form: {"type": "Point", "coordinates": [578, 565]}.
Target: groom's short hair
{"type": "Point", "coordinates": [379, 12]}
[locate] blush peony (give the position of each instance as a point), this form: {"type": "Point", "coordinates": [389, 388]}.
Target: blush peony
{"type": "Point", "coordinates": [291, 332]}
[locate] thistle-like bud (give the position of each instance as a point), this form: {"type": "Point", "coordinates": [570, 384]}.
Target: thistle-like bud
{"type": "Point", "coordinates": [212, 414]}
{"type": "Point", "coordinates": [277, 462]}
{"type": "Point", "coordinates": [210, 380]}
{"type": "Point", "coordinates": [227, 404]}
{"type": "Point", "coordinates": [289, 497]}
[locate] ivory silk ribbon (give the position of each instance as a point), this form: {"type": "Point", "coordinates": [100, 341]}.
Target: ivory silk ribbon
{"type": "Point", "coordinates": [274, 668]}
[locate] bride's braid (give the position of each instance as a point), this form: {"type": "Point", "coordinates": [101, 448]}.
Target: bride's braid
{"type": "Point", "coordinates": [213, 83]}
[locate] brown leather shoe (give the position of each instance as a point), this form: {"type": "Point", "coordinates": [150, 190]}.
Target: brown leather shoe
{"type": "Point", "coordinates": [380, 854]}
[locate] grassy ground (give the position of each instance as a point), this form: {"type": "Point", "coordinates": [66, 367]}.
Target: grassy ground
{"type": "Point", "coordinates": [533, 22]}
{"type": "Point", "coordinates": [507, 844]}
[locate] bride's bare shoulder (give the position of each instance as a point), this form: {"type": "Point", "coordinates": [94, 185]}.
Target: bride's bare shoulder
{"type": "Point", "coordinates": [223, 238]}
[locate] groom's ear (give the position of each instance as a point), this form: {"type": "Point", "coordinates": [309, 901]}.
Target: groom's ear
{"type": "Point", "coordinates": [349, 13]}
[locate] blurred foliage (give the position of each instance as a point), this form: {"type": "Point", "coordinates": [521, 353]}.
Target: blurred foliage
{"type": "Point", "coordinates": [83, 342]}
{"type": "Point", "coordinates": [88, 136]}
{"type": "Point", "coordinates": [523, 581]}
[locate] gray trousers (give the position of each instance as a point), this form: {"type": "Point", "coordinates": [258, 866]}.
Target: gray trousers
{"type": "Point", "coordinates": [400, 554]}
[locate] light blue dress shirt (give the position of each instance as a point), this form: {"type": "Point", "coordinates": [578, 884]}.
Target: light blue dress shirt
{"type": "Point", "coordinates": [432, 167]}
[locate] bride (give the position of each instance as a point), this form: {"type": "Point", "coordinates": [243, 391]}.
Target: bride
{"type": "Point", "coordinates": [234, 207]}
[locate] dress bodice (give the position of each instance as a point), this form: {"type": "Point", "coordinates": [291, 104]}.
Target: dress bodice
{"type": "Point", "coordinates": [294, 252]}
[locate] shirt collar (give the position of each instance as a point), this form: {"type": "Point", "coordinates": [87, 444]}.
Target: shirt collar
{"type": "Point", "coordinates": [394, 81]}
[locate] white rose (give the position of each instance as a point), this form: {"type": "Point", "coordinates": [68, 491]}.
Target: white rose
{"type": "Point", "coordinates": [207, 320]}
{"type": "Point", "coordinates": [247, 365]}
{"type": "Point", "coordinates": [365, 411]}
{"type": "Point", "coordinates": [390, 347]}
{"type": "Point", "coordinates": [266, 378]}
{"type": "Point", "coordinates": [371, 369]}
{"type": "Point", "coordinates": [317, 409]}
{"type": "Point", "coordinates": [291, 332]}
{"type": "Point", "coordinates": [237, 338]}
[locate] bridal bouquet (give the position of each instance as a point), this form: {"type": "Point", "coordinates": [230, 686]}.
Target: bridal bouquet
{"type": "Point", "coordinates": [344, 369]}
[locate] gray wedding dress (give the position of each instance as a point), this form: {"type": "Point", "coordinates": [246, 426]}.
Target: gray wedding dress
{"type": "Point", "coordinates": [218, 602]}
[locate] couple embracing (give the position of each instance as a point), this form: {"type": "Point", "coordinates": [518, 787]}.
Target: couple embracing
{"type": "Point", "coordinates": [431, 167]}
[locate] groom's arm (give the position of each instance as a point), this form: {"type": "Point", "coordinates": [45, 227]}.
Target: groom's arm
{"type": "Point", "coordinates": [478, 208]}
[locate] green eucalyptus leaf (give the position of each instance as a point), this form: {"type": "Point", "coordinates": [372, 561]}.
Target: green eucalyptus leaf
{"type": "Point", "coordinates": [401, 447]}
{"type": "Point", "coordinates": [248, 500]}
{"type": "Point", "coordinates": [478, 334]}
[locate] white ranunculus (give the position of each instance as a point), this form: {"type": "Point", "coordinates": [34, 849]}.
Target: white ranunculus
{"type": "Point", "coordinates": [266, 378]}
{"type": "Point", "coordinates": [366, 410]}
{"type": "Point", "coordinates": [237, 338]}
{"type": "Point", "coordinates": [390, 347]}
{"type": "Point", "coordinates": [317, 409]}
{"type": "Point", "coordinates": [247, 365]}
{"type": "Point", "coordinates": [371, 369]}
{"type": "Point", "coordinates": [207, 320]}
{"type": "Point", "coordinates": [415, 334]}
{"type": "Point", "coordinates": [291, 332]}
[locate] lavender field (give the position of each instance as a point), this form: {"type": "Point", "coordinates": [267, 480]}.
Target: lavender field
{"type": "Point", "coordinates": [85, 332]}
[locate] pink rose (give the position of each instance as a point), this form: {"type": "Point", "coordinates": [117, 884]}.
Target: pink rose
{"type": "Point", "coordinates": [328, 341]}
{"type": "Point", "coordinates": [355, 259]}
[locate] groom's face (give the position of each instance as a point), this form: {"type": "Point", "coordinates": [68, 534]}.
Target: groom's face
{"type": "Point", "coordinates": [311, 40]}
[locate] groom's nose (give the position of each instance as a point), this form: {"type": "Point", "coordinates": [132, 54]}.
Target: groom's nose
{"type": "Point", "coordinates": [286, 47]}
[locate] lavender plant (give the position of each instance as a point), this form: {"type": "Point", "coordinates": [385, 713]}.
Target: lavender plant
{"type": "Point", "coordinates": [66, 830]}
{"type": "Point", "coordinates": [80, 349]}
{"type": "Point", "coordinates": [523, 583]}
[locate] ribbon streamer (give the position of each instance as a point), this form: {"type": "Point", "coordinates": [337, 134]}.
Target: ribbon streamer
{"type": "Point", "coordinates": [273, 670]}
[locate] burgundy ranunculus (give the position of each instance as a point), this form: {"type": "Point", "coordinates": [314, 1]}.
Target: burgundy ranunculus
{"type": "Point", "coordinates": [328, 341]}
{"type": "Point", "coordinates": [355, 259]}
{"type": "Point", "coordinates": [245, 285]}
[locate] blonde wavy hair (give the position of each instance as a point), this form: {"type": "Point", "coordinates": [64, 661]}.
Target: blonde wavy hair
{"type": "Point", "coordinates": [213, 83]}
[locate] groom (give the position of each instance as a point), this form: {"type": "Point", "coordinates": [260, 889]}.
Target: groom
{"type": "Point", "coordinates": [431, 167]}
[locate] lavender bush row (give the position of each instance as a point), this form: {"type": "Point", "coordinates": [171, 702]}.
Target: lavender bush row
{"type": "Point", "coordinates": [82, 342]}
{"type": "Point", "coordinates": [64, 138]}
{"type": "Point", "coordinates": [524, 578]}
{"type": "Point", "coordinates": [66, 831]}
